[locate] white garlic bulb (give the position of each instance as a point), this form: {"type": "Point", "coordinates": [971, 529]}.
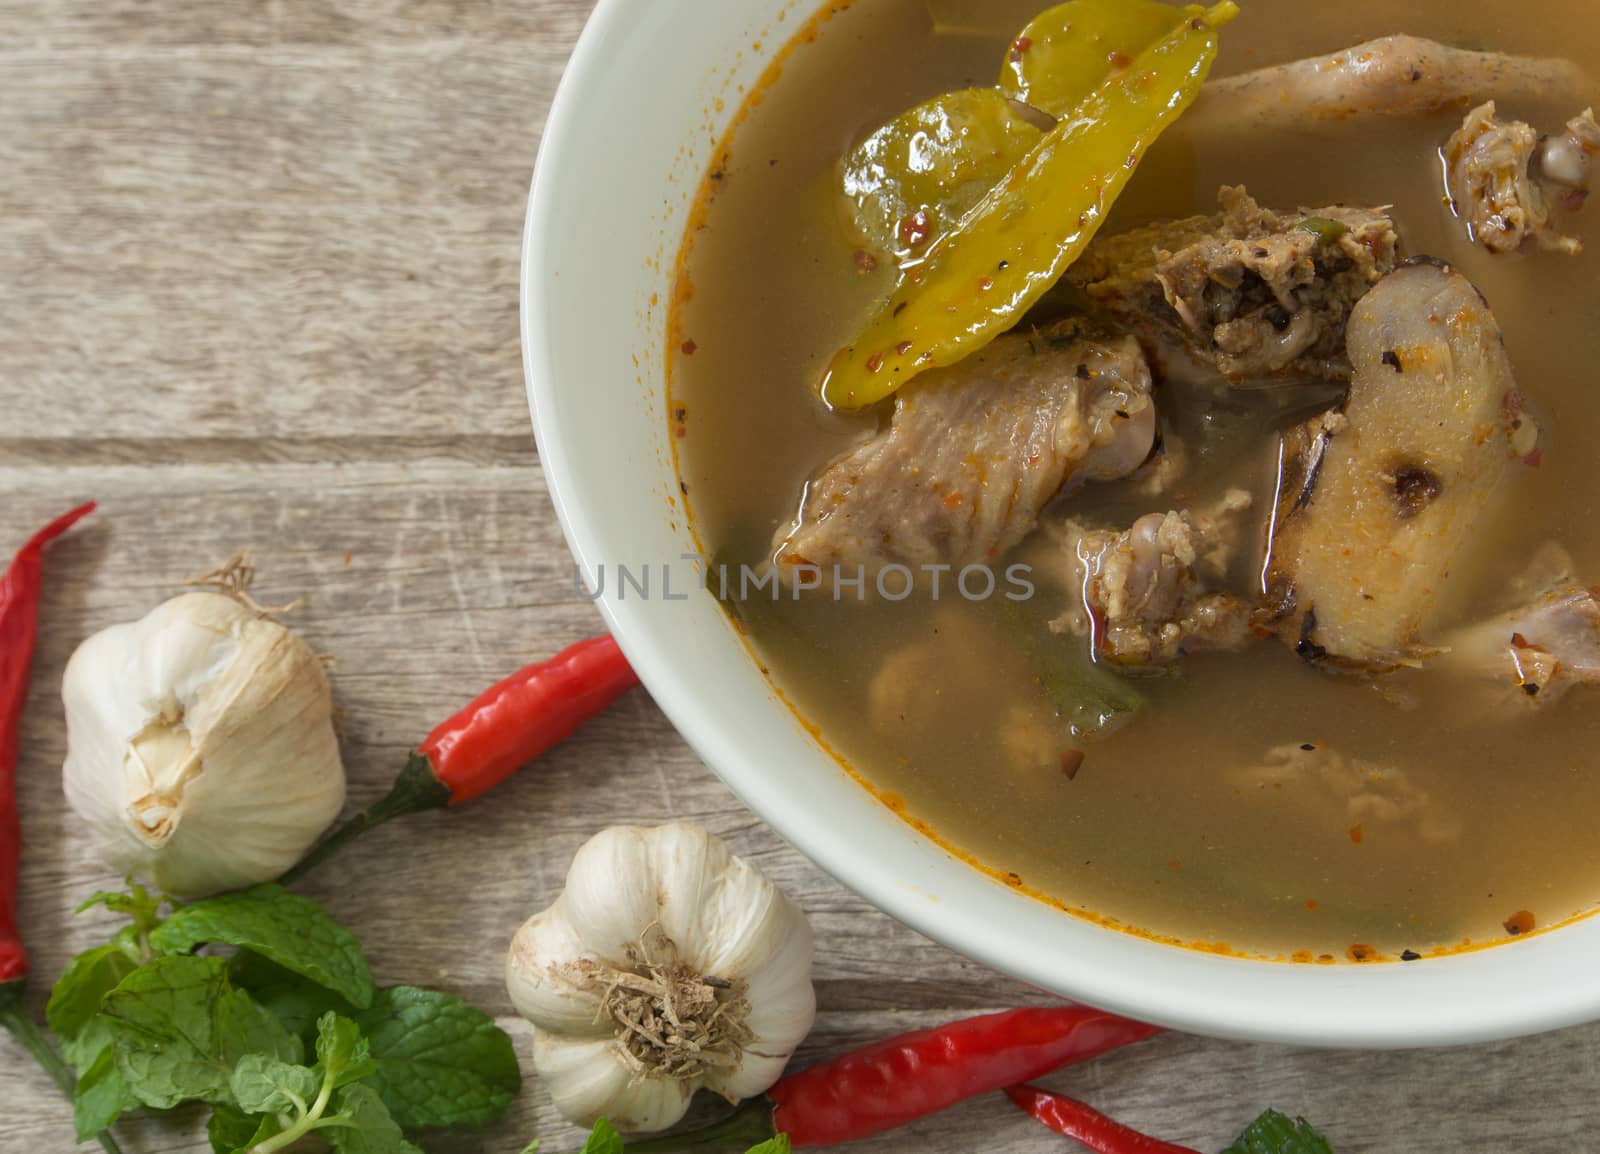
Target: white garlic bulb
{"type": "Point", "coordinates": [200, 746]}
{"type": "Point", "coordinates": [666, 965]}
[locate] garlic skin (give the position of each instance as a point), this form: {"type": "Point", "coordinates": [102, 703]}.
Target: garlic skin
{"type": "Point", "coordinates": [645, 912]}
{"type": "Point", "coordinates": [200, 746]}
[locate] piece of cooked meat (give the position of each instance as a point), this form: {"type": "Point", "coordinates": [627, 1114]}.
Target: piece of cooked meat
{"type": "Point", "coordinates": [1254, 293]}
{"type": "Point", "coordinates": [1392, 76]}
{"type": "Point", "coordinates": [973, 452]}
{"type": "Point", "coordinates": [1148, 591]}
{"type": "Point", "coordinates": [959, 664]}
{"type": "Point", "coordinates": [1505, 179]}
{"type": "Point", "coordinates": [1376, 500]}
{"type": "Point", "coordinates": [1348, 793]}
{"type": "Point", "coordinates": [1546, 646]}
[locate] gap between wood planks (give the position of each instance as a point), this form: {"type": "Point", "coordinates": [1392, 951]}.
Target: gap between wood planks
{"type": "Point", "coordinates": [471, 449]}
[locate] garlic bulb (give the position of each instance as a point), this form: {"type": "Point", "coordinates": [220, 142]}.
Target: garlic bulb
{"type": "Point", "coordinates": [200, 746]}
{"type": "Point", "coordinates": [666, 965]}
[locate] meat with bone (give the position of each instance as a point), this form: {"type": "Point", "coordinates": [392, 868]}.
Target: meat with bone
{"type": "Point", "coordinates": [1543, 648]}
{"type": "Point", "coordinates": [1148, 592]}
{"type": "Point", "coordinates": [1392, 76]}
{"type": "Point", "coordinates": [973, 453]}
{"type": "Point", "coordinates": [1505, 180]}
{"type": "Point", "coordinates": [1377, 500]}
{"type": "Point", "coordinates": [1256, 294]}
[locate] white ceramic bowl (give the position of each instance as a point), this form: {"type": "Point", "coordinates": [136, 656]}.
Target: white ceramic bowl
{"type": "Point", "coordinates": [630, 135]}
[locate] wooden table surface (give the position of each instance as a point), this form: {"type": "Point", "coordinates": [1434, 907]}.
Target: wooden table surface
{"type": "Point", "coordinates": [258, 286]}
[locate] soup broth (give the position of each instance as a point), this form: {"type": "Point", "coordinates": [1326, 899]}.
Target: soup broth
{"type": "Point", "coordinates": [1254, 801]}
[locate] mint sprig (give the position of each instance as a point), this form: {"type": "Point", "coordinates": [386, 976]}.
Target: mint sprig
{"type": "Point", "coordinates": [604, 1139]}
{"type": "Point", "coordinates": [153, 1018]}
{"type": "Point", "coordinates": [1275, 1133]}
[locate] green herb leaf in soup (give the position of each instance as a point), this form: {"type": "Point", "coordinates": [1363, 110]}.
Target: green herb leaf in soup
{"type": "Point", "coordinates": [913, 180]}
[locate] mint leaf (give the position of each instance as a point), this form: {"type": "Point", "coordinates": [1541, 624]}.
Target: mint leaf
{"type": "Point", "coordinates": [440, 1062]}
{"type": "Point", "coordinates": [603, 1140]}
{"type": "Point", "coordinates": [180, 1027]}
{"type": "Point", "coordinates": [343, 1054]}
{"type": "Point", "coordinates": [295, 1001]}
{"type": "Point", "coordinates": [101, 1095]}
{"type": "Point", "coordinates": [89, 977]}
{"type": "Point", "coordinates": [364, 1125]}
{"type": "Point", "coordinates": [230, 1129]}
{"type": "Point", "coordinates": [1274, 1133]}
{"type": "Point", "coordinates": [265, 1085]}
{"type": "Point", "coordinates": [778, 1144]}
{"type": "Point", "coordinates": [293, 931]}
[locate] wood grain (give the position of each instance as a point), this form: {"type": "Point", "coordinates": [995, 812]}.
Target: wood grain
{"type": "Point", "coordinates": [258, 286]}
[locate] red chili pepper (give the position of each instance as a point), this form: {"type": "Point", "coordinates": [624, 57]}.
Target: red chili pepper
{"type": "Point", "coordinates": [19, 622]}
{"type": "Point", "coordinates": [524, 715]}
{"type": "Point", "coordinates": [19, 627]}
{"type": "Point", "coordinates": [505, 728]}
{"type": "Point", "coordinates": [902, 1079]}
{"type": "Point", "coordinates": [1087, 1125]}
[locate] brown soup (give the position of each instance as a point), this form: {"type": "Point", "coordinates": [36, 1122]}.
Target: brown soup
{"type": "Point", "coordinates": [1427, 811]}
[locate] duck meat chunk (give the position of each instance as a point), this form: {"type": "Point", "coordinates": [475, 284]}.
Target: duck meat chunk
{"type": "Point", "coordinates": [1392, 76]}
{"type": "Point", "coordinates": [1347, 793]}
{"type": "Point", "coordinates": [961, 664]}
{"type": "Point", "coordinates": [1543, 648]}
{"type": "Point", "coordinates": [1376, 500]}
{"type": "Point", "coordinates": [973, 452]}
{"type": "Point", "coordinates": [1252, 293]}
{"type": "Point", "coordinates": [1148, 592]}
{"type": "Point", "coordinates": [1505, 179]}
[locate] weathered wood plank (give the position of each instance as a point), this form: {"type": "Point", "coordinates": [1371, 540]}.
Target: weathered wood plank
{"type": "Point", "coordinates": [277, 244]}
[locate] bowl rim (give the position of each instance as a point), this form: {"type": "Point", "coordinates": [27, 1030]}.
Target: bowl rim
{"type": "Point", "coordinates": [1517, 1008]}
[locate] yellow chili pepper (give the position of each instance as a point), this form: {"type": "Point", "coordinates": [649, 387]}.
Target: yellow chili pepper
{"type": "Point", "coordinates": [981, 277]}
{"type": "Point", "coordinates": [1067, 52]}
{"type": "Point", "coordinates": [915, 177]}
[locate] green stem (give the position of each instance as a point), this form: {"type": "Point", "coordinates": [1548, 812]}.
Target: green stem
{"type": "Point", "coordinates": [416, 789]}
{"type": "Point", "coordinates": [306, 1123]}
{"type": "Point", "coordinates": [34, 1041]}
{"type": "Point", "coordinates": [750, 1125]}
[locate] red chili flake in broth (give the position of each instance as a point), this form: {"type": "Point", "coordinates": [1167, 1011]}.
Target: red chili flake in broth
{"type": "Point", "coordinates": [1019, 47]}
{"type": "Point", "coordinates": [874, 362]}
{"type": "Point", "coordinates": [1534, 459]}
{"type": "Point", "coordinates": [865, 261]}
{"type": "Point", "coordinates": [1071, 762]}
{"type": "Point", "coordinates": [916, 228]}
{"type": "Point", "coordinates": [1120, 59]}
{"type": "Point", "coordinates": [986, 284]}
{"type": "Point", "coordinates": [1361, 953]}
{"type": "Point", "coordinates": [903, 348]}
{"type": "Point", "coordinates": [1520, 922]}
{"type": "Point", "coordinates": [1355, 834]}
{"type": "Point", "coordinates": [689, 347]}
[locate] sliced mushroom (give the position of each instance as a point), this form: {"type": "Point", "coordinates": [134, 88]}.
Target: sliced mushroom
{"type": "Point", "coordinates": [1376, 500]}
